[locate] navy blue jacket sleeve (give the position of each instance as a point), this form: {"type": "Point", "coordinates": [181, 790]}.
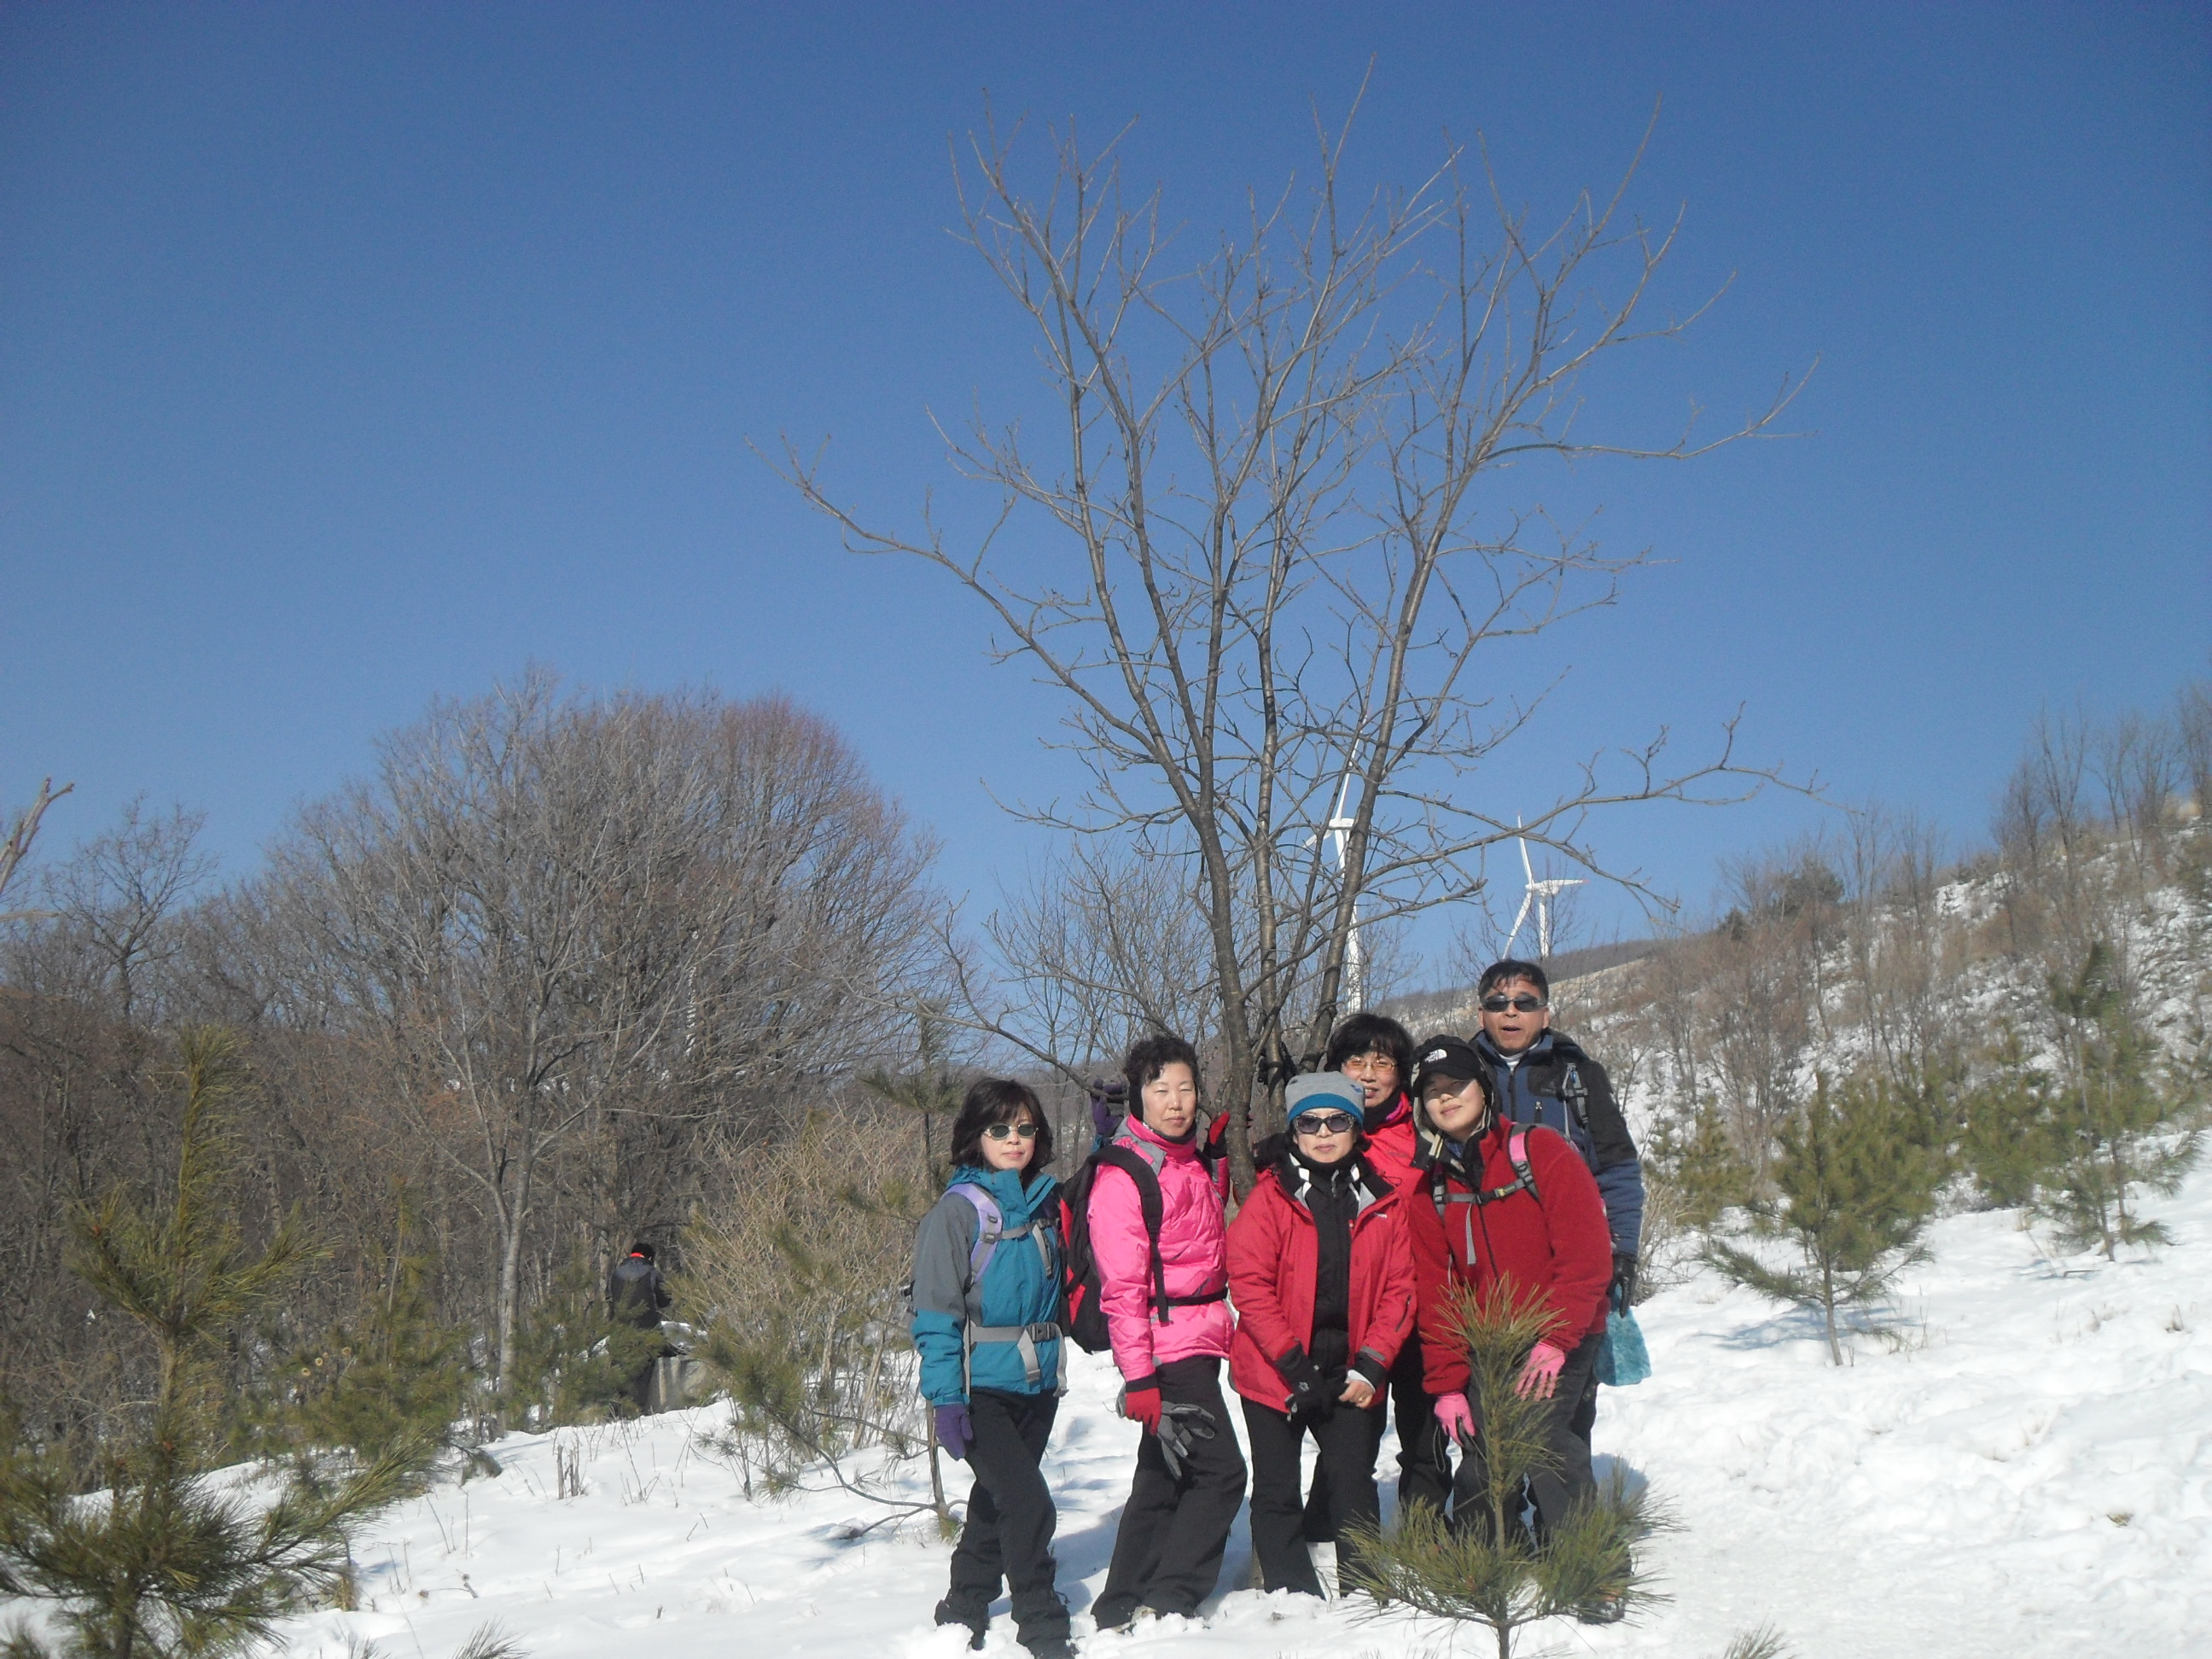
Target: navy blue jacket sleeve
{"type": "Point", "coordinates": [1619, 1170]}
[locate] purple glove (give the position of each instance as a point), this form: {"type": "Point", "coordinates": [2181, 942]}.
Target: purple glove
{"type": "Point", "coordinates": [955, 1429]}
{"type": "Point", "coordinates": [1541, 1374]}
{"type": "Point", "coordinates": [1456, 1417]}
{"type": "Point", "coordinates": [1107, 1096]}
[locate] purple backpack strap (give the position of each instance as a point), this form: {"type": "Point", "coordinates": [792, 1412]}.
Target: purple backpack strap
{"type": "Point", "coordinates": [989, 1225]}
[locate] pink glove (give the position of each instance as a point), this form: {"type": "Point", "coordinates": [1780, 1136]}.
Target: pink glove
{"type": "Point", "coordinates": [1456, 1417]}
{"type": "Point", "coordinates": [1541, 1374]}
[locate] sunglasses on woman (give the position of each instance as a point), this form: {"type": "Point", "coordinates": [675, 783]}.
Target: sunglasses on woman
{"type": "Point", "coordinates": [1522, 1003]}
{"type": "Point", "coordinates": [1008, 1131]}
{"type": "Point", "coordinates": [1323, 1123]}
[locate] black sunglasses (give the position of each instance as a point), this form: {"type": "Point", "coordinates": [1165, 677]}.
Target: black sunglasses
{"type": "Point", "coordinates": [1322, 1123]}
{"type": "Point", "coordinates": [1007, 1131]}
{"type": "Point", "coordinates": [1524, 1004]}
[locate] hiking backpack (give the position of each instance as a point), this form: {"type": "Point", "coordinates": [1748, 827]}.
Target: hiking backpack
{"type": "Point", "coordinates": [1524, 1181]}
{"type": "Point", "coordinates": [991, 1232]}
{"type": "Point", "coordinates": [1084, 1318]}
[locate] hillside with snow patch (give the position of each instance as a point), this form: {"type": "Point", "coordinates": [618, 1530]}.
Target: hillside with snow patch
{"type": "Point", "coordinates": [2027, 1471]}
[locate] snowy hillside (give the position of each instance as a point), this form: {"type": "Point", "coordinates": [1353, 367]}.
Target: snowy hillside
{"type": "Point", "coordinates": [2030, 1473]}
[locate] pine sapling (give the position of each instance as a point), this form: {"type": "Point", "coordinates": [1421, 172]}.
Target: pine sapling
{"type": "Point", "coordinates": [392, 1380]}
{"type": "Point", "coordinates": [1483, 1566]}
{"type": "Point", "coordinates": [1854, 1190]}
{"type": "Point", "coordinates": [148, 1554]}
{"type": "Point", "coordinates": [2120, 1131]}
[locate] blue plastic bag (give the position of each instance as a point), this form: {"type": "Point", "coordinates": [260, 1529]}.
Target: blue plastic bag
{"type": "Point", "coordinates": [1622, 1359]}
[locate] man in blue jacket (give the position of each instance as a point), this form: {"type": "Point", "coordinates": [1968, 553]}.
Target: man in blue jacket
{"type": "Point", "coordinates": [1544, 1076]}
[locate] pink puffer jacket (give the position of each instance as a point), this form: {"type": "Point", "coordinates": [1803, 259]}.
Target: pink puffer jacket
{"type": "Point", "coordinates": [1194, 1255]}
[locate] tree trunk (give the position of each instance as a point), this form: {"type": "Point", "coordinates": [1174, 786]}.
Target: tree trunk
{"type": "Point", "coordinates": [1828, 1307]}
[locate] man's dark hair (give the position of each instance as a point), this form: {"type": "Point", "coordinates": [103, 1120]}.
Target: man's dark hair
{"type": "Point", "coordinates": [999, 1100]}
{"type": "Point", "coordinates": [641, 1249]}
{"type": "Point", "coordinates": [1505, 972]}
{"type": "Point", "coordinates": [1371, 1034]}
{"type": "Point", "coordinates": [1153, 1056]}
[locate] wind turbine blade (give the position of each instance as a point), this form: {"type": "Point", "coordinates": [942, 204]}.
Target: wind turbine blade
{"type": "Point", "coordinates": [1528, 869]}
{"type": "Point", "coordinates": [1527, 899]}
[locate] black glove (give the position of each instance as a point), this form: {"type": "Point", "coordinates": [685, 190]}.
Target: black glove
{"type": "Point", "coordinates": [1624, 1280]}
{"type": "Point", "coordinates": [1309, 1383]}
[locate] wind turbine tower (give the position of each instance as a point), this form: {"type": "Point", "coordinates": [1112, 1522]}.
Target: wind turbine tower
{"type": "Point", "coordinates": [1539, 895]}
{"type": "Point", "coordinates": [1340, 827]}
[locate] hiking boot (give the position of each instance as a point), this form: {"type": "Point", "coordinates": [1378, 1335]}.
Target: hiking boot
{"type": "Point", "coordinates": [977, 1628]}
{"type": "Point", "coordinates": [1602, 1610]}
{"type": "Point", "coordinates": [1129, 1620]}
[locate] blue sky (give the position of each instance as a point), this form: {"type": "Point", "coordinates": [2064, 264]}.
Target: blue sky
{"type": "Point", "coordinates": [354, 355]}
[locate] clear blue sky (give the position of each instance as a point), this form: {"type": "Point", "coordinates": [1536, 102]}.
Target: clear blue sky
{"type": "Point", "coordinates": [351, 355]}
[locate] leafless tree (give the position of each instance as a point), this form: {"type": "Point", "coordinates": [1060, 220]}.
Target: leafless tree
{"type": "Point", "coordinates": [23, 831]}
{"type": "Point", "coordinates": [571, 923]}
{"type": "Point", "coordinates": [2192, 741]}
{"type": "Point", "coordinates": [1273, 546]}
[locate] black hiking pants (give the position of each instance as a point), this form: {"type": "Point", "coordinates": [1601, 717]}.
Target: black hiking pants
{"type": "Point", "coordinates": [1563, 1479]}
{"type": "Point", "coordinates": [1423, 1461]}
{"type": "Point", "coordinates": [1011, 1519]}
{"type": "Point", "coordinates": [1166, 1552]}
{"type": "Point", "coordinates": [1347, 1438]}
{"type": "Point", "coordinates": [1585, 1418]}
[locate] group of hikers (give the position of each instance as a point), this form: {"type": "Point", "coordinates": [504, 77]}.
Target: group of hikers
{"type": "Point", "coordinates": [1403, 1170]}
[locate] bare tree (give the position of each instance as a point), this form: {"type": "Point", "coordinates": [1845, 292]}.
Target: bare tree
{"type": "Point", "coordinates": [24, 830]}
{"type": "Point", "coordinates": [571, 926]}
{"type": "Point", "coordinates": [1278, 551]}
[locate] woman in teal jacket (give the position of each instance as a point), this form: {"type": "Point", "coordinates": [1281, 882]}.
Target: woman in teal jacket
{"type": "Point", "coordinates": [987, 1292]}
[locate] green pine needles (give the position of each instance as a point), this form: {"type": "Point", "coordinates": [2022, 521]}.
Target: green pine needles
{"type": "Point", "coordinates": [1484, 1567]}
{"type": "Point", "coordinates": [393, 1381]}
{"type": "Point", "coordinates": [2114, 1130]}
{"type": "Point", "coordinates": [1853, 1187]}
{"type": "Point", "coordinates": [148, 1553]}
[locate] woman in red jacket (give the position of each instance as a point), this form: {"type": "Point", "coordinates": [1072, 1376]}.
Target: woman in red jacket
{"type": "Point", "coordinates": [1507, 1203]}
{"type": "Point", "coordinates": [1321, 1268]}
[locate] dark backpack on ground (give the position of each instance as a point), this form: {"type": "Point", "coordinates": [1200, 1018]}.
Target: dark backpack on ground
{"type": "Point", "coordinates": [1084, 1318]}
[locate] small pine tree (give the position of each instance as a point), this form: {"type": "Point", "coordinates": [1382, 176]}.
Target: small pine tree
{"type": "Point", "coordinates": [573, 1361]}
{"type": "Point", "coordinates": [146, 1556]}
{"type": "Point", "coordinates": [930, 1089]}
{"type": "Point", "coordinates": [1854, 1190]}
{"type": "Point", "coordinates": [393, 1381]}
{"type": "Point", "coordinates": [2120, 1131]}
{"type": "Point", "coordinates": [1698, 1161]}
{"type": "Point", "coordinates": [1484, 1567]}
{"type": "Point", "coordinates": [2009, 1138]}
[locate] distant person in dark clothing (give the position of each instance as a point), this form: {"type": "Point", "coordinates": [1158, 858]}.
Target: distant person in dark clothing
{"type": "Point", "coordinates": [637, 1295]}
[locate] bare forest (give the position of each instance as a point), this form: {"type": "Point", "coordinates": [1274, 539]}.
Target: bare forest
{"type": "Point", "coordinates": [544, 982]}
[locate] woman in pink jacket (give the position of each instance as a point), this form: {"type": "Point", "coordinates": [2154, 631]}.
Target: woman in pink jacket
{"type": "Point", "coordinates": [1171, 1328]}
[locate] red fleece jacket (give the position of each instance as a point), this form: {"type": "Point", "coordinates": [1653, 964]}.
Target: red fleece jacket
{"type": "Point", "coordinates": [1553, 1241]}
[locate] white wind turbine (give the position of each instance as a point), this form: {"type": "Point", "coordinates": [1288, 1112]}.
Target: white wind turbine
{"type": "Point", "coordinates": [1539, 894]}
{"type": "Point", "coordinates": [1339, 826]}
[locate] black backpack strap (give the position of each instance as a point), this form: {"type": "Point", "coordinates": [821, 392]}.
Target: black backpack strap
{"type": "Point", "coordinates": [1577, 1096]}
{"type": "Point", "coordinates": [1149, 1206]}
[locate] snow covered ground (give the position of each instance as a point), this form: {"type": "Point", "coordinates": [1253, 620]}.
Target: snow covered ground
{"type": "Point", "coordinates": [2028, 1472]}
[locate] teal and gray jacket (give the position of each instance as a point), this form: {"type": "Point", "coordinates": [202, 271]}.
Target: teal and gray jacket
{"type": "Point", "coordinates": [986, 1306]}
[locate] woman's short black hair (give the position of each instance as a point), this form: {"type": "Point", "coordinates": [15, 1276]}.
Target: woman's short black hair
{"type": "Point", "coordinates": [1371, 1034]}
{"type": "Point", "coordinates": [1148, 1059]}
{"type": "Point", "coordinates": [999, 1100]}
